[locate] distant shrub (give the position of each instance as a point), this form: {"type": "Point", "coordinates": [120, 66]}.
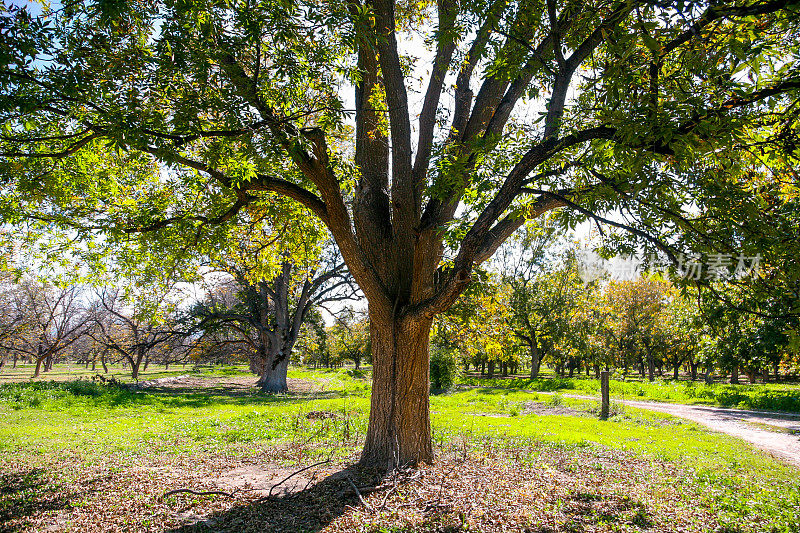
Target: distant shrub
{"type": "Point", "coordinates": [444, 367]}
{"type": "Point", "coordinates": [774, 400]}
{"type": "Point", "coordinates": [556, 400]}
{"type": "Point", "coordinates": [549, 385]}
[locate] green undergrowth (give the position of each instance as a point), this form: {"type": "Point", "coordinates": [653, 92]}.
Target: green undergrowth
{"type": "Point", "coordinates": [774, 397]}
{"type": "Point", "coordinates": [327, 417]}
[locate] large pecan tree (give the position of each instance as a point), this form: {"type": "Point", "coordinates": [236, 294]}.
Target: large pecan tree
{"type": "Point", "coordinates": [422, 135]}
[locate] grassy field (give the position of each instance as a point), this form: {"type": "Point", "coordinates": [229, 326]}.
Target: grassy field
{"type": "Point", "coordinates": [83, 456]}
{"type": "Point", "coordinates": [770, 396]}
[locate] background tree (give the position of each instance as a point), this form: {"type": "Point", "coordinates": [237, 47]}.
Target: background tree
{"type": "Point", "coordinates": [14, 320]}
{"type": "Point", "coordinates": [546, 291]}
{"type": "Point", "coordinates": [636, 306]}
{"type": "Point", "coordinates": [348, 337]}
{"type": "Point", "coordinates": [677, 331]}
{"type": "Point", "coordinates": [267, 307]}
{"type": "Point", "coordinates": [135, 326]}
{"type": "Point", "coordinates": [57, 319]}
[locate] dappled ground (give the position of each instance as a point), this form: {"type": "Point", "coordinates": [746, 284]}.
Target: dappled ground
{"type": "Point", "coordinates": [222, 386]}
{"type": "Point", "coordinates": [91, 457]}
{"type": "Point", "coordinates": [488, 487]}
{"type": "Point", "coordinates": [774, 432]}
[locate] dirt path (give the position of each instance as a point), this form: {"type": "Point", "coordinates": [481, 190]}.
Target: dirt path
{"type": "Point", "coordinates": [774, 432]}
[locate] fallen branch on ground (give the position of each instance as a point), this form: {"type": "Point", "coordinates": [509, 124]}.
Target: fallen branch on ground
{"type": "Point", "coordinates": [358, 493]}
{"type": "Point", "coordinates": [198, 493]}
{"type": "Point", "coordinates": [290, 476]}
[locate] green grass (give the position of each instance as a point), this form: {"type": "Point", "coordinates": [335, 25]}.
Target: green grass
{"type": "Point", "coordinates": [96, 417]}
{"type": "Point", "coordinates": [745, 488]}
{"type": "Point", "coordinates": [775, 397]}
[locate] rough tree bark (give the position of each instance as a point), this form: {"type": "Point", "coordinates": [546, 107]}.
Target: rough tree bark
{"type": "Point", "coordinates": [271, 363]}
{"type": "Point", "coordinates": [272, 370]}
{"type": "Point", "coordinates": [399, 430]}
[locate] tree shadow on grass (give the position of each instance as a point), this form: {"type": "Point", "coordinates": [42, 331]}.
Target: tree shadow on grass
{"type": "Point", "coordinates": [28, 493]}
{"type": "Point", "coordinates": [203, 397]}
{"type": "Point", "coordinates": [32, 394]}
{"type": "Point", "coordinates": [588, 510]}
{"type": "Point", "coordinates": [308, 510]}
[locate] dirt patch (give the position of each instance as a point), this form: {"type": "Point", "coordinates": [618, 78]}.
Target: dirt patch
{"type": "Point", "coordinates": [483, 485]}
{"type": "Point", "coordinates": [533, 489]}
{"type": "Point", "coordinates": [228, 385]}
{"type": "Point", "coordinates": [260, 480]}
{"type": "Point", "coordinates": [160, 382]}
{"type": "Point", "coordinates": [541, 408]}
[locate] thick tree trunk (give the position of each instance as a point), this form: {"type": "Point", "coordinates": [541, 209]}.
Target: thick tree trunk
{"type": "Point", "coordinates": [271, 369]}
{"type": "Point", "coordinates": [675, 372]}
{"type": "Point", "coordinates": [399, 431]}
{"type": "Point", "coordinates": [490, 369]}
{"type": "Point", "coordinates": [274, 379]}
{"type": "Point", "coordinates": [735, 375]}
{"type": "Point", "coordinates": [651, 368]}
{"type": "Point", "coordinates": [40, 359]}
{"type": "Point", "coordinates": [135, 369]}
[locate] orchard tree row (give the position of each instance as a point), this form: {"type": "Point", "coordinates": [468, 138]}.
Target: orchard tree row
{"type": "Point", "coordinates": [533, 309]}
{"type": "Point", "coordinates": [43, 323]}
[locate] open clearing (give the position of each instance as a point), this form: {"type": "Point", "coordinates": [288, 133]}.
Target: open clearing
{"type": "Point", "coordinates": [774, 432]}
{"type": "Point", "coordinates": [85, 457]}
